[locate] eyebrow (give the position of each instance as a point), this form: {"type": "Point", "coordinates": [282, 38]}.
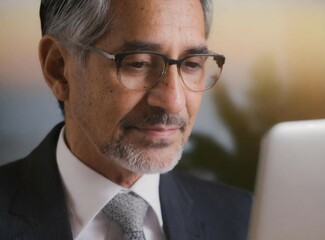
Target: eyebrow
{"type": "Point", "coordinates": [138, 45]}
{"type": "Point", "coordinates": [198, 50]}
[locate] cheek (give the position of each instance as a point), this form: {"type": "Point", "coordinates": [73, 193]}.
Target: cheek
{"type": "Point", "coordinates": [106, 102]}
{"type": "Point", "coordinates": [95, 89]}
{"type": "Point", "coordinates": [193, 102]}
{"type": "Point", "coordinates": [90, 97]}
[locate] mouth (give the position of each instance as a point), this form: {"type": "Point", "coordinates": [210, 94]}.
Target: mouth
{"type": "Point", "coordinates": [155, 127]}
{"type": "Point", "coordinates": [159, 131]}
{"type": "Point", "coordinates": [156, 132]}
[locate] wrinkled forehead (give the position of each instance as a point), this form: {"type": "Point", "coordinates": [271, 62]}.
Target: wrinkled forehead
{"type": "Point", "coordinates": [159, 12]}
{"type": "Point", "coordinates": [158, 21]}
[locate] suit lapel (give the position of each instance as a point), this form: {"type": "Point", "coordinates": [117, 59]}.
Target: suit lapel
{"type": "Point", "coordinates": [40, 199]}
{"type": "Point", "coordinates": [39, 210]}
{"type": "Point", "coordinates": [179, 221]}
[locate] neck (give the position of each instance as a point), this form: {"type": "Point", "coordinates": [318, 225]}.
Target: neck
{"type": "Point", "coordinates": [87, 154]}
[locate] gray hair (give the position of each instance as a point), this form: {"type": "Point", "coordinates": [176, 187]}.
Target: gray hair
{"type": "Point", "coordinates": [74, 22]}
{"type": "Point", "coordinates": [84, 21]}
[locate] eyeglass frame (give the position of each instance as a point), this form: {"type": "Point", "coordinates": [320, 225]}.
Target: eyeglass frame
{"type": "Point", "coordinates": [118, 58]}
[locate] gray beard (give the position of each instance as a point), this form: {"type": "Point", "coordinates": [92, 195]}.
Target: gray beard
{"type": "Point", "coordinates": [135, 157]}
{"type": "Point", "coordinates": [137, 160]}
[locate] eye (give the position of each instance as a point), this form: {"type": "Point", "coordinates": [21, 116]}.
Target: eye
{"type": "Point", "coordinates": [138, 64]}
{"type": "Point", "coordinates": [137, 61]}
{"type": "Point", "coordinates": [193, 64]}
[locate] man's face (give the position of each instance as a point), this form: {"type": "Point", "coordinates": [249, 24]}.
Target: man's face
{"type": "Point", "coordinates": [142, 131]}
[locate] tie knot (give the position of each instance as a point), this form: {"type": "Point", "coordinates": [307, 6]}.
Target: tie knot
{"type": "Point", "coordinates": [128, 211]}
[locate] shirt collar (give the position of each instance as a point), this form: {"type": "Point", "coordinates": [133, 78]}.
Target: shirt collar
{"type": "Point", "coordinates": [147, 187]}
{"type": "Point", "coordinates": [87, 192]}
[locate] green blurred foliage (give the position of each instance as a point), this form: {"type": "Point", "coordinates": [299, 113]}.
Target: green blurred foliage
{"type": "Point", "coordinates": [300, 96]}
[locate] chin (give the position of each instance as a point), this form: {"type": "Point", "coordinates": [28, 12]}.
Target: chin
{"type": "Point", "coordinates": [149, 161]}
{"type": "Point", "coordinates": [146, 157]}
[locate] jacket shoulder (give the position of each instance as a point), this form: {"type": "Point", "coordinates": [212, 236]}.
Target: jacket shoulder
{"type": "Point", "coordinates": [10, 178]}
{"type": "Point", "coordinates": [223, 208]}
{"type": "Point", "coordinates": [13, 175]}
{"type": "Point", "coordinates": [203, 189]}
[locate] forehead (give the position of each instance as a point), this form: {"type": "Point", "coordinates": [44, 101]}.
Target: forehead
{"type": "Point", "coordinates": [169, 23]}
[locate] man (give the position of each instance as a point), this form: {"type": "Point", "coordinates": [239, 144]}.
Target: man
{"type": "Point", "coordinates": [129, 76]}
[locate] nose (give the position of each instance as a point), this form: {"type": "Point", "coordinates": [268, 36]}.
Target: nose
{"type": "Point", "coordinates": [169, 93]}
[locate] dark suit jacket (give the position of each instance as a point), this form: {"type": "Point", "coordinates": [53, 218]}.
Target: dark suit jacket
{"type": "Point", "coordinates": [32, 202]}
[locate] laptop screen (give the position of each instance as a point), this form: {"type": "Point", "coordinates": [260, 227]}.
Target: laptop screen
{"type": "Point", "coordinates": [290, 191]}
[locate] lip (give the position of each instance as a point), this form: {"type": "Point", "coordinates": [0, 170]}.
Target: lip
{"type": "Point", "coordinates": [158, 131]}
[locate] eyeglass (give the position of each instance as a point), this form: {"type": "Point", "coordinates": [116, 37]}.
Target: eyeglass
{"type": "Point", "coordinates": [143, 70]}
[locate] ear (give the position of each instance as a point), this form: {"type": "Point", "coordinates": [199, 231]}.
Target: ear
{"type": "Point", "coordinates": [53, 58]}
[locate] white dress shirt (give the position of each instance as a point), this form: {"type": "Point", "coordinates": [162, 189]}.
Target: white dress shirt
{"type": "Point", "coordinates": [87, 192]}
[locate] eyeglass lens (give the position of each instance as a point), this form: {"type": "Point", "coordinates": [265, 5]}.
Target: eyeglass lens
{"type": "Point", "coordinates": [141, 71]}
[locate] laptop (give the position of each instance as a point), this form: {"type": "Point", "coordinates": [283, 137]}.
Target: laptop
{"type": "Point", "coordinates": [289, 199]}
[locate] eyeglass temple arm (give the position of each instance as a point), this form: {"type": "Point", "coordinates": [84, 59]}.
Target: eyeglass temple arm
{"type": "Point", "coordinates": [99, 51]}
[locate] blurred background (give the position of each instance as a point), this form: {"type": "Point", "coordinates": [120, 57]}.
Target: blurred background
{"type": "Point", "coordinates": [274, 72]}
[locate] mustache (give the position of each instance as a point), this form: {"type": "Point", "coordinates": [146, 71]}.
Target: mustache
{"type": "Point", "coordinates": [155, 117]}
